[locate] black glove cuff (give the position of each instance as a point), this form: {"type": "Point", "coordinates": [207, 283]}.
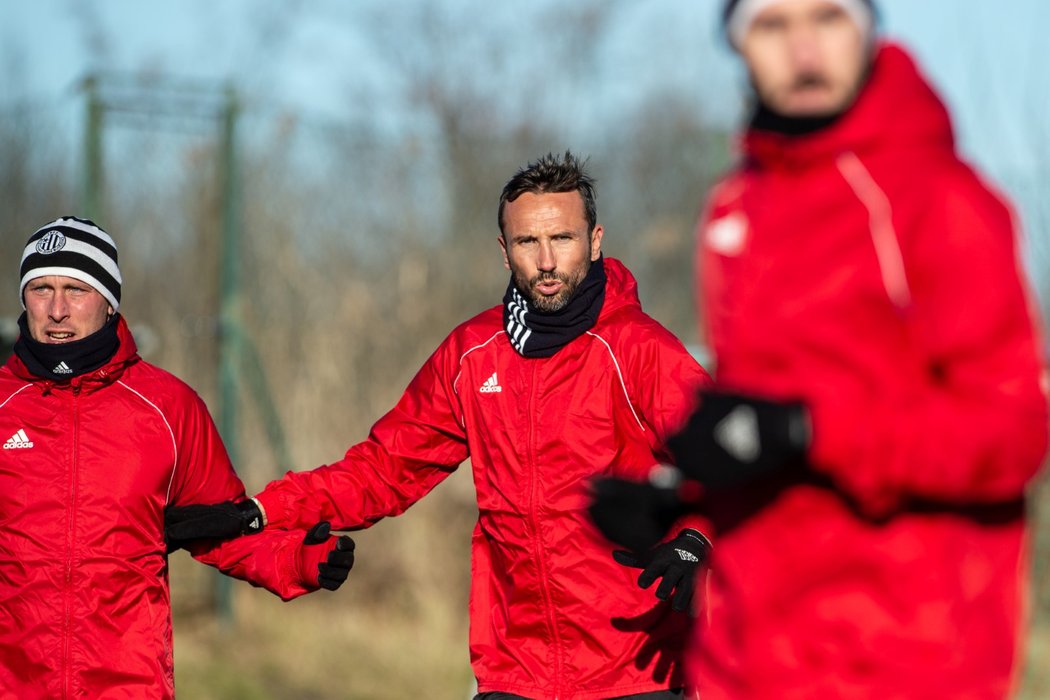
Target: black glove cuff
{"type": "Point", "coordinates": [251, 517]}
{"type": "Point", "coordinates": [695, 543]}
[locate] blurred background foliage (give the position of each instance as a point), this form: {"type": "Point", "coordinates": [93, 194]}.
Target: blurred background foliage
{"type": "Point", "coordinates": [366, 236]}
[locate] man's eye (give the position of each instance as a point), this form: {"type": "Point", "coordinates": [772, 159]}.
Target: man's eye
{"type": "Point", "coordinates": [830, 15]}
{"type": "Point", "coordinates": [769, 25]}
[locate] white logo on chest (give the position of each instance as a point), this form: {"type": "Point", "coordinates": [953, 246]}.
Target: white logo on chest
{"type": "Point", "coordinates": [737, 434]}
{"type": "Point", "coordinates": [491, 385]}
{"type": "Point", "coordinates": [727, 235]}
{"type": "Point", "coordinates": [18, 441]}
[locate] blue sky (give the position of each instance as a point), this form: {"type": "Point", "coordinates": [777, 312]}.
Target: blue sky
{"type": "Point", "coordinates": [312, 57]}
{"type": "Point", "coordinates": [984, 56]}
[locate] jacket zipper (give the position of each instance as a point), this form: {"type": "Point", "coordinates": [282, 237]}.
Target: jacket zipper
{"type": "Point", "coordinates": [541, 561]}
{"type": "Point", "coordinates": [67, 622]}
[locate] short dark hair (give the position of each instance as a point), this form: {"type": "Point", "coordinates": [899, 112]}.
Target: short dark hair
{"type": "Point", "coordinates": [551, 174]}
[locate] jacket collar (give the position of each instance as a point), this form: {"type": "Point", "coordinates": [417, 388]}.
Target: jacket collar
{"type": "Point", "coordinates": [126, 355]}
{"type": "Point", "coordinates": [896, 109]}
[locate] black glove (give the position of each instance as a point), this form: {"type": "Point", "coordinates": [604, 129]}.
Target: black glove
{"type": "Point", "coordinates": [731, 440]}
{"type": "Point", "coordinates": [183, 524]}
{"type": "Point", "coordinates": [635, 514]}
{"type": "Point", "coordinates": [676, 561]}
{"type": "Point", "coordinates": [332, 568]}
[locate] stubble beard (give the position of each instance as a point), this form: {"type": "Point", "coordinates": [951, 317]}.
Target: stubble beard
{"type": "Point", "coordinates": [557, 302]}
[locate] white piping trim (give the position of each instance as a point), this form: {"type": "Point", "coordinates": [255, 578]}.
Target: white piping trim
{"type": "Point", "coordinates": [880, 225]}
{"type": "Point", "coordinates": [464, 355]}
{"type": "Point", "coordinates": [16, 393]}
{"type": "Point", "coordinates": [174, 444]}
{"type": "Point", "coordinates": [620, 375]}
{"type": "Point", "coordinates": [462, 419]}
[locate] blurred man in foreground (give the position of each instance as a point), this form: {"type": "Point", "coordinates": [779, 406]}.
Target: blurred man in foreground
{"type": "Point", "coordinates": [98, 443]}
{"type": "Point", "coordinates": [566, 380]}
{"type": "Point", "coordinates": [878, 412]}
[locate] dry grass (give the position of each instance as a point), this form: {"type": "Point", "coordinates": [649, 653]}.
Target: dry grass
{"type": "Point", "coordinates": [1036, 684]}
{"type": "Point", "coordinates": [1036, 679]}
{"type": "Point", "coordinates": [398, 628]}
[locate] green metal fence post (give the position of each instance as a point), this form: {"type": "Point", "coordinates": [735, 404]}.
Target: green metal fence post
{"type": "Point", "coordinates": [91, 193]}
{"type": "Point", "coordinates": [229, 313]}
{"type": "Point", "coordinates": [114, 100]}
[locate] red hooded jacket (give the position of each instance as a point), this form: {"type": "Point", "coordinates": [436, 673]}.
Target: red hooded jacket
{"type": "Point", "coordinates": [551, 614]}
{"type": "Point", "coordinates": [869, 272]}
{"type": "Point", "coordinates": [86, 471]}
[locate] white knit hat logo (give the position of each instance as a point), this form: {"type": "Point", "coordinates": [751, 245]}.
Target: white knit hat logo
{"type": "Point", "coordinates": [52, 242]}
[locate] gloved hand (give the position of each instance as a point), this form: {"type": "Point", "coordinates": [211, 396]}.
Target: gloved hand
{"type": "Point", "coordinates": [637, 514]}
{"type": "Point", "coordinates": [675, 561]}
{"type": "Point", "coordinates": [325, 560]}
{"type": "Point", "coordinates": [183, 524]}
{"type": "Point", "coordinates": [731, 439]}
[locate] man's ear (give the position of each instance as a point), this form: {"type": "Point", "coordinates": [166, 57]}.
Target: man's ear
{"type": "Point", "coordinates": [596, 242]}
{"type": "Point", "coordinates": [503, 248]}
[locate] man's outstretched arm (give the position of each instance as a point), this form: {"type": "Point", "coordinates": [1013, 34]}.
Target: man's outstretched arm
{"type": "Point", "coordinates": [287, 563]}
{"type": "Point", "coordinates": [410, 450]}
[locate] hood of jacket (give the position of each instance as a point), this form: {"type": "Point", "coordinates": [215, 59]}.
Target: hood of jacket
{"type": "Point", "coordinates": [621, 289]}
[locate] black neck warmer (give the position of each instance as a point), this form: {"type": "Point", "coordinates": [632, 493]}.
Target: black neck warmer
{"type": "Point", "coordinates": [536, 333]}
{"type": "Point", "coordinates": [60, 362]}
{"type": "Point", "coordinates": [765, 119]}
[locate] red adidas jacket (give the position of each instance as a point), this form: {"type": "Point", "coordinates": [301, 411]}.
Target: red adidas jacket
{"type": "Point", "coordinates": [552, 615]}
{"type": "Point", "coordinates": [869, 272]}
{"type": "Point", "coordinates": [85, 474]}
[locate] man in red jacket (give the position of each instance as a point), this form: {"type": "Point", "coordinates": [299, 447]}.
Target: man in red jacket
{"type": "Point", "coordinates": [98, 443]}
{"type": "Point", "coordinates": [879, 412]}
{"type": "Point", "coordinates": [566, 380]}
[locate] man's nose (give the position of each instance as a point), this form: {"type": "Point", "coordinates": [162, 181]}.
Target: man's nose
{"type": "Point", "coordinates": [546, 261]}
{"type": "Point", "coordinates": [804, 47]}
{"type": "Point", "coordinates": [58, 309]}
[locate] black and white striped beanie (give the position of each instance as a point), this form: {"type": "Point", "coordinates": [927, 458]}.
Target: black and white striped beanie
{"type": "Point", "coordinates": [75, 248]}
{"type": "Point", "coordinates": [738, 15]}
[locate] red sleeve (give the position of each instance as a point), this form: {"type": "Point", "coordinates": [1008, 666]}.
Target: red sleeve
{"type": "Point", "coordinates": [408, 452]}
{"type": "Point", "coordinates": [665, 381]}
{"type": "Point", "coordinates": [976, 430]}
{"type": "Point", "coordinates": [203, 474]}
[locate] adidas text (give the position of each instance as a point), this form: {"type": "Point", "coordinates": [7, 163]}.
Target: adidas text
{"type": "Point", "coordinates": [18, 441]}
{"type": "Point", "coordinates": [491, 385]}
